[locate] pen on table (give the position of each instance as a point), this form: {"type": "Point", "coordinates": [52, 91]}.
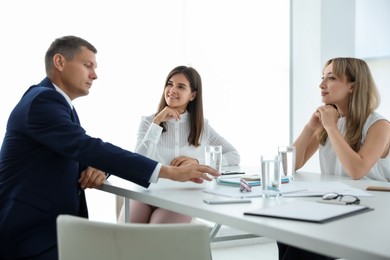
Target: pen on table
{"type": "Point", "coordinates": [337, 202]}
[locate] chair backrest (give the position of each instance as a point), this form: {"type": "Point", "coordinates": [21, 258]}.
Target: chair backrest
{"type": "Point", "coordinates": [80, 238]}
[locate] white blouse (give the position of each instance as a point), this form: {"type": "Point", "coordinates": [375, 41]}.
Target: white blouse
{"type": "Point", "coordinates": [163, 147]}
{"type": "Point", "coordinates": [330, 163]}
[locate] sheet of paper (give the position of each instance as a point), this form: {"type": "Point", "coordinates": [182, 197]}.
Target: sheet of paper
{"type": "Point", "coordinates": [292, 189]}
{"type": "Point", "coordinates": [234, 192]}
{"type": "Point", "coordinates": [317, 189]}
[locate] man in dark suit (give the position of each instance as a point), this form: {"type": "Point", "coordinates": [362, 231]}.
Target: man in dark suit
{"type": "Point", "coordinates": [47, 159]}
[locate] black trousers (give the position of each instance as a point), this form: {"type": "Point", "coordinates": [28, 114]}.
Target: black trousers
{"type": "Point", "coordinates": [287, 252]}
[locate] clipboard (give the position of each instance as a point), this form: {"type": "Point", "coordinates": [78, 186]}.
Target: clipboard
{"type": "Point", "coordinates": [309, 211]}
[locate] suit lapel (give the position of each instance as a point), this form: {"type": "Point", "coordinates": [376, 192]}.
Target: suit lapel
{"type": "Point", "coordinates": [75, 117]}
{"type": "Point", "coordinates": [83, 210]}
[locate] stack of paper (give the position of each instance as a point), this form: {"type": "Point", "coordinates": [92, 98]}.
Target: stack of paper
{"type": "Point", "coordinates": [253, 180]}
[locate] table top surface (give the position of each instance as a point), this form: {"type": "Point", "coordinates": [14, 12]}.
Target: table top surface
{"type": "Point", "coordinates": [361, 236]}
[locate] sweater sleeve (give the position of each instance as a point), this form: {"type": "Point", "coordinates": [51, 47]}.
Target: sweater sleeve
{"type": "Point", "coordinates": [148, 136]}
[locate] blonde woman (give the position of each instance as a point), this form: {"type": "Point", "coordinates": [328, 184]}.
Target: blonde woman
{"type": "Point", "coordinates": [353, 140]}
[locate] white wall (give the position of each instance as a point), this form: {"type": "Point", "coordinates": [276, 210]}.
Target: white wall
{"type": "Point", "coordinates": [372, 25]}
{"type": "Point", "coordinates": [240, 48]}
{"type": "Point", "coordinates": [373, 44]}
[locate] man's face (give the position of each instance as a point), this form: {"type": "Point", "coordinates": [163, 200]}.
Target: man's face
{"type": "Point", "coordinates": [78, 74]}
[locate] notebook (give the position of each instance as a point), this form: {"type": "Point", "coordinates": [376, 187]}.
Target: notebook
{"type": "Point", "coordinates": [252, 180]}
{"type": "Point", "coordinates": [309, 211]}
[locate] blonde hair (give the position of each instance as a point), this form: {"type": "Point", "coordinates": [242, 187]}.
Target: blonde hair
{"type": "Point", "coordinates": [363, 100]}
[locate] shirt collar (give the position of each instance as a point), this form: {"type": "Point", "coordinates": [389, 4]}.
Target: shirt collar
{"type": "Point", "coordinates": [183, 117]}
{"type": "Point", "coordinates": [67, 98]}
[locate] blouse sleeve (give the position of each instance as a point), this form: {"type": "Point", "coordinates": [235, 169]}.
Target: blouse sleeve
{"type": "Point", "coordinates": [230, 155]}
{"type": "Point", "coordinates": [148, 136]}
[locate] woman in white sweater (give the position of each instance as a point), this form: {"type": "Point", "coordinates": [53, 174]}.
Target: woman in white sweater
{"type": "Point", "coordinates": [176, 135]}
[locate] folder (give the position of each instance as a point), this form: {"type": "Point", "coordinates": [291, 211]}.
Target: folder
{"type": "Point", "coordinates": [309, 211]}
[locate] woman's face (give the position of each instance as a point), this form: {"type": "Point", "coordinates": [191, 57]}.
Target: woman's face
{"type": "Point", "coordinates": [178, 92]}
{"type": "Point", "coordinates": [335, 90]}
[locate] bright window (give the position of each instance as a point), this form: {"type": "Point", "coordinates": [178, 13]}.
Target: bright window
{"type": "Point", "coordinates": [240, 48]}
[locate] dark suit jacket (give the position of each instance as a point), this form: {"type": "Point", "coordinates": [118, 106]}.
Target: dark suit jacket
{"type": "Point", "coordinates": [43, 152]}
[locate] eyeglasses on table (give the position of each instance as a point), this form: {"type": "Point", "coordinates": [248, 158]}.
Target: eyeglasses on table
{"type": "Point", "coordinates": [343, 199]}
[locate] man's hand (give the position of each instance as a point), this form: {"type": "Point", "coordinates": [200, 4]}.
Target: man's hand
{"type": "Point", "coordinates": [91, 178]}
{"type": "Point", "coordinates": [191, 172]}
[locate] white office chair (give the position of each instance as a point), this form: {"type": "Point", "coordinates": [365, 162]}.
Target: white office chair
{"type": "Point", "coordinates": [80, 238]}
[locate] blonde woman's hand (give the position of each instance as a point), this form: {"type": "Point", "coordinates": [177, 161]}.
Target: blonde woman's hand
{"type": "Point", "coordinates": [328, 116]}
{"type": "Point", "coordinates": [315, 121]}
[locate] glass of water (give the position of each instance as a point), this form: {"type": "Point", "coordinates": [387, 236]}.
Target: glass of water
{"type": "Point", "coordinates": [287, 157]}
{"type": "Point", "coordinates": [213, 157]}
{"type": "Point", "coordinates": [270, 176]}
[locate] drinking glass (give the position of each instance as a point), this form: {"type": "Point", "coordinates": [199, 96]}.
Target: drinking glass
{"type": "Point", "coordinates": [213, 157]}
{"type": "Point", "coordinates": [270, 176]}
{"type": "Point", "coordinates": [287, 157]}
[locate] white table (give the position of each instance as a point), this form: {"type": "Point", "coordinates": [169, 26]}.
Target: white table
{"type": "Point", "coordinates": [362, 236]}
